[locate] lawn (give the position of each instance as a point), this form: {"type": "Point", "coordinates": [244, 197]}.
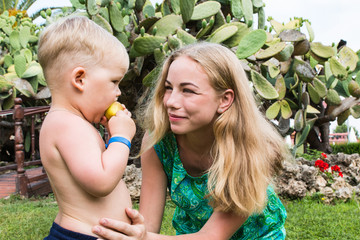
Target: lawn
{"type": "Point", "coordinates": [307, 219]}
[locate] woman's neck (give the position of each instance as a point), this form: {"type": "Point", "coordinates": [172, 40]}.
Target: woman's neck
{"type": "Point", "coordinates": [195, 152]}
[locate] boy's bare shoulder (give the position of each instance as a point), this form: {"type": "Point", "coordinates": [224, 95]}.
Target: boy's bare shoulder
{"type": "Point", "coordinates": [61, 122]}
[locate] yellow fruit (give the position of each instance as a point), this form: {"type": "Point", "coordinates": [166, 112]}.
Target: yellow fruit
{"type": "Point", "coordinates": [113, 109]}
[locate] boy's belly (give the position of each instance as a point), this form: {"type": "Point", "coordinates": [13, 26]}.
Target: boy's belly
{"type": "Point", "coordinates": [81, 212]}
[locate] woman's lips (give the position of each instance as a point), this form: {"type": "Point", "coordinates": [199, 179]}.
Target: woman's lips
{"type": "Point", "coordinates": [173, 117]}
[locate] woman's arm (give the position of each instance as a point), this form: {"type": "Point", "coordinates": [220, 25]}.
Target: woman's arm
{"type": "Point", "coordinates": [220, 226]}
{"type": "Point", "coordinates": [153, 190]}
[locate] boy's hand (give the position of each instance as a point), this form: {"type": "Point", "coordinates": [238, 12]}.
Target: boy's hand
{"type": "Point", "coordinates": [122, 125]}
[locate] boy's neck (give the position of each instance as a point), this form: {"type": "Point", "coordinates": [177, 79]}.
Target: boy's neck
{"type": "Point", "coordinates": [65, 109]}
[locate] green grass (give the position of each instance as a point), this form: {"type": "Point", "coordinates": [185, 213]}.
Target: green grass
{"type": "Point", "coordinates": [307, 219]}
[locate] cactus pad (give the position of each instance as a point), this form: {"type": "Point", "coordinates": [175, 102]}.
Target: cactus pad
{"type": "Point", "coordinates": [185, 37]}
{"type": "Point", "coordinates": [270, 51]}
{"type": "Point", "coordinates": [285, 109]}
{"type": "Point", "coordinates": [291, 35]}
{"type": "Point", "coordinates": [251, 43]}
{"type": "Point", "coordinates": [187, 9]}
{"type": "Point", "coordinates": [263, 86]}
{"type": "Point", "coordinates": [332, 97]}
{"type": "Point", "coordinates": [236, 38]}
{"type": "Point", "coordinates": [303, 70]}
{"type": "Point", "coordinates": [205, 10]}
{"type": "Point", "coordinates": [321, 50]}
{"type": "Point", "coordinates": [337, 69]}
{"type": "Point", "coordinates": [347, 57]}
{"type": "Point", "coordinates": [167, 25]}
{"type": "Point", "coordinates": [222, 34]}
{"type": "Point", "coordinates": [299, 120]}
{"type": "Point", "coordinates": [273, 110]}
{"type": "Point", "coordinates": [146, 45]}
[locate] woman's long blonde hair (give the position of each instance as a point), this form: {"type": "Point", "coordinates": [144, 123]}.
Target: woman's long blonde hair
{"type": "Point", "coordinates": [247, 150]}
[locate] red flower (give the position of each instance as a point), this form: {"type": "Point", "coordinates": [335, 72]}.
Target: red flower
{"type": "Point", "coordinates": [321, 165]}
{"type": "Point", "coordinates": [336, 168]}
{"type": "Point", "coordinates": [323, 155]}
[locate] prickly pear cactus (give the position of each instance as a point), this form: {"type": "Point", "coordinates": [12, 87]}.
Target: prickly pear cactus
{"type": "Point", "coordinates": [293, 76]}
{"type": "Point", "coordinates": [20, 72]}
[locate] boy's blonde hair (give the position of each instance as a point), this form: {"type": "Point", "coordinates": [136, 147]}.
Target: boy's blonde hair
{"type": "Point", "coordinates": [74, 40]}
{"type": "Point", "coordinates": [247, 150]}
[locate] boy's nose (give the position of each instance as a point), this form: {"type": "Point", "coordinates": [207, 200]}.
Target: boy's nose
{"type": "Point", "coordinates": [118, 92]}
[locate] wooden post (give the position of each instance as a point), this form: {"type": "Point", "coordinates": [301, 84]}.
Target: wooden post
{"type": "Point", "coordinates": [21, 183]}
{"type": "Point", "coordinates": [33, 137]}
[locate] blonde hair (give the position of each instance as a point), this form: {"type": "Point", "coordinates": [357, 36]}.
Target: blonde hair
{"type": "Point", "coordinates": [74, 40]}
{"type": "Point", "coordinates": [247, 150]}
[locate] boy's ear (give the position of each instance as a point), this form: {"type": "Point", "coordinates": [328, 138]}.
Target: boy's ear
{"type": "Point", "coordinates": [226, 100]}
{"type": "Point", "coordinates": [78, 77]}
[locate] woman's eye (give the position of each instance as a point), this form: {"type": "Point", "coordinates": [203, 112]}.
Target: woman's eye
{"type": "Point", "coordinates": [186, 90]}
{"type": "Point", "coordinates": [168, 88]}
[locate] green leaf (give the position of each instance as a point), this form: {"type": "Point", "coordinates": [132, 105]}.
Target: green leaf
{"type": "Point", "coordinates": [285, 109]}
{"type": "Point", "coordinates": [147, 45]}
{"type": "Point", "coordinates": [320, 87]}
{"type": "Point", "coordinates": [270, 51]}
{"type": "Point", "coordinates": [299, 120]}
{"type": "Point", "coordinates": [301, 139]}
{"type": "Point", "coordinates": [27, 54]}
{"type": "Point", "coordinates": [205, 10]}
{"type": "Point", "coordinates": [251, 43]}
{"type": "Point", "coordinates": [321, 50]}
{"type": "Point", "coordinates": [314, 96]}
{"type": "Point", "coordinates": [222, 34]}
{"type": "Point", "coordinates": [167, 25]}
{"type": "Point", "coordinates": [116, 18]}
{"type": "Point", "coordinates": [311, 110]}
{"type": "Point", "coordinates": [24, 36]}
{"type": "Point", "coordinates": [187, 9]}
{"type": "Point", "coordinates": [273, 110]}
{"type": "Point", "coordinates": [20, 65]}
{"type": "Point", "coordinates": [263, 86]}
{"type": "Point", "coordinates": [337, 69]}
{"type": "Point", "coordinates": [348, 58]}
{"type": "Point", "coordinates": [32, 70]}
{"type": "Point", "coordinates": [247, 9]}
{"type": "Point", "coordinates": [24, 87]}
{"type": "Point", "coordinates": [280, 86]}
{"type": "Point", "coordinates": [14, 39]}
{"type": "Point", "coordinates": [310, 31]}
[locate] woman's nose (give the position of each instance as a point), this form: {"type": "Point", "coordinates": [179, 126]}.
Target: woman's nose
{"type": "Point", "coordinates": [173, 100]}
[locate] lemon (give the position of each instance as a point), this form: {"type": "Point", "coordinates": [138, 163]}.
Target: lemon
{"type": "Point", "coordinates": [113, 109]}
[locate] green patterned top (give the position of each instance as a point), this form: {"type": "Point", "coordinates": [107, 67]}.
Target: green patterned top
{"type": "Point", "coordinates": [192, 209]}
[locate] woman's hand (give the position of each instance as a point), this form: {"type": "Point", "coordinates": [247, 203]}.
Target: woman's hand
{"type": "Point", "coordinates": [116, 230]}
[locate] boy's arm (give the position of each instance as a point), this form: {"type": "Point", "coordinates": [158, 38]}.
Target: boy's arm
{"type": "Point", "coordinates": [96, 169]}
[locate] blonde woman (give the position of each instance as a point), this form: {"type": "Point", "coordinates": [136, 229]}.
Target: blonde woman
{"type": "Point", "coordinates": [210, 146]}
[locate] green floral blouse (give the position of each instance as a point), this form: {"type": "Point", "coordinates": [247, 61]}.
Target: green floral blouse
{"type": "Point", "coordinates": [192, 209]}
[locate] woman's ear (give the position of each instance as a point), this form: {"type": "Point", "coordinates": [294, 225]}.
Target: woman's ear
{"type": "Point", "coordinates": [226, 100]}
{"type": "Point", "coordinates": [77, 78]}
